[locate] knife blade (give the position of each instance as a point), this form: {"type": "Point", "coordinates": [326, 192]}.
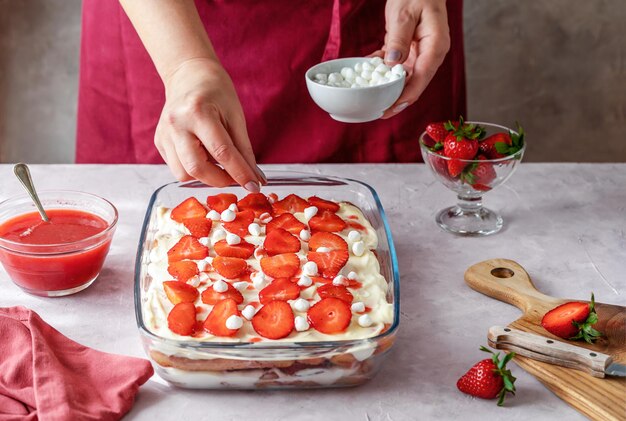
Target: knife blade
{"type": "Point", "coordinates": [554, 352]}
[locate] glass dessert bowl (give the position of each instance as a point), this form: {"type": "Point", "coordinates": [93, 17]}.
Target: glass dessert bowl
{"type": "Point", "coordinates": [477, 177]}
{"type": "Point", "coordinates": [63, 256]}
{"type": "Point", "coordinates": [244, 360]}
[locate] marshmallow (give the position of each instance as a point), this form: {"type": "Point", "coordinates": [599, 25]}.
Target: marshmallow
{"type": "Point", "coordinates": [213, 215]}
{"type": "Point", "coordinates": [340, 280]}
{"type": "Point", "coordinates": [376, 61]}
{"type": "Point", "coordinates": [234, 322]}
{"type": "Point", "coordinates": [228, 215]}
{"type": "Point", "coordinates": [305, 235]}
{"type": "Point", "coordinates": [258, 280]}
{"type": "Point", "coordinates": [368, 67]}
{"type": "Point", "coordinates": [301, 305]}
{"type": "Point", "coordinates": [265, 217]}
{"type": "Point", "coordinates": [204, 241]}
{"type": "Point", "coordinates": [365, 320]}
{"type": "Point", "coordinates": [354, 235]}
{"type": "Point", "coordinates": [309, 269]}
{"type": "Point", "coordinates": [352, 275]}
{"type": "Point", "coordinates": [358, 307]}
{"type": "Point", "coordinates": [241, 286]}
{"type": "Point", "coordinates": [305, 281]}
{"type": "Point", "coordinates": [382, 68]}
{"type": "Point", "coordinates": [255, 229]}
{"type": "Point", "coordinates": [301, 323]}
{"type": "Point", "coordinates": [321, 77]}
{"type": "Point", "coordinates": [398, 70]}
{"type": "Point", "coordinates": [358, 67]}
{"type": "Point", "coordinates": [220, 286]}
{"type": "Point", "coordinates": [366, 74]}
{"type": "Point", "coordinates": [248, 312]}
{"type": "Point", "coordinates": [322, 250]}
{"type": "Point", "coordinates": [358, 248]}
{"type": "Point", "coordinates": [259, 253]}
{"type": "Point", "coordinates": [204, 264]}
{"type": "Point", "coordinates": [217, 235]}
{"type": "Point", "coordinates": [204, 277]}
{"type": "Point", "coordinates": [310, 212]}
{"type": "Point", "coordinates": [232, 239]}
{"type": "Point", "coordinates": [195, 280]}
{"type": "Point", "coordinates": [335, 78]}
{"type": "Point", "coordinates": [233, 207]}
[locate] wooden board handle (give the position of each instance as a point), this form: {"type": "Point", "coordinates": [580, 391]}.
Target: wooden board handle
{"type": "Point", "coordinates": [548, 350]}
{"type": "Point", "coordinates": [506, 281]}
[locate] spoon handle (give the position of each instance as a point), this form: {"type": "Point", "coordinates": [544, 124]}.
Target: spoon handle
{"type": "Point", "coordinates": [23, 174]}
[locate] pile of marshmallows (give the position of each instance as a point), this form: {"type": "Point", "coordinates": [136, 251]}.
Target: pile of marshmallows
{"type": "Point", "coordinates": [369, 73]}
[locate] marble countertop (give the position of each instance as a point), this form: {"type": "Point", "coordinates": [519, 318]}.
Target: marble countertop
{"type": "Point", "coordinates": [565, 223]}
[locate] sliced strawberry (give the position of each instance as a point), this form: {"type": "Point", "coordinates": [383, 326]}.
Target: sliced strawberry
{"type": "Point", "coordinates": [573, 320]}
{"type": "Point", "coordinates": [215, 322]}
{"type": "Point", "coordinates": [337, 291]}
{"type": "Point", "coordinates": [198, 227]}
{"type": "Point", "coordinates": [188, 247]}
{"type": "Point", "coordinates": [281, 289]}
{"type": "Point", "coordinates": [210, 296]}
{"type": "Point", "coordinates": [330, 315]}
{"type": "Point", "coordinates": [229, 267]}
{"type": "Point", "coordinates": [279, 241]}
{"type": "Point", "coordinates": [243, 250]}
{"type": "Point", "coordinates": [183, 270]}
{"type": "Point", "coordinates": [182, 319]}
{"type": "Point", "coordinates": [180, 292]}
{"type": "Point", "coordinates": [328, 240]}
{"type": "Point", "coordinates": [189, 208]}
{"type": "Point", "coordinates": [221, 202]}
{"type": "Point", "coordinates": [240, 225]}
{"type": "Point", "coordinates": [290, 204]}
{"type": "Point", "coordinates": [329, 263]}
{"type": "Point", "coordinates": [328, 222]}
{"type": "Point", "coordinates": [274, 320]}
{"type": "Point", "coordinates": [281, 265]}
{"type": "Point", "coordinates": [256, 202]}
{"type": "Point", "coordinates": [287, 222]}
{"type": "Point", "coordinates": [323, 204]}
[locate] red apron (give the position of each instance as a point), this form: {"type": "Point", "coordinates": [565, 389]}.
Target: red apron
{"type": "Point", "coordinates": [266, 47]}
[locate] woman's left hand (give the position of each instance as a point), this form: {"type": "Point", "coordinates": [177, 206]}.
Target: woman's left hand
{"type": "Point", "coordinates": [417, 35]}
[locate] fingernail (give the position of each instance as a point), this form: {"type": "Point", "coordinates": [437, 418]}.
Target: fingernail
{"type": "Point", "coordinates": [252, 187]}
{"type": "Point", "coordinates": [400, 107]}
{"type": "Point", "coordinates": [393, 55]}
{"type": "Point", "coordinates": [261, 174]}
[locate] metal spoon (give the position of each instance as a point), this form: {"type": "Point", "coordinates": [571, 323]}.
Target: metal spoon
{"type": "Point", "coordinates": [23, 174]}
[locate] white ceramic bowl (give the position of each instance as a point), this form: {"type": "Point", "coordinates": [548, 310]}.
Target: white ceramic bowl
{"type": "Point", "coordinates": [351, 105]}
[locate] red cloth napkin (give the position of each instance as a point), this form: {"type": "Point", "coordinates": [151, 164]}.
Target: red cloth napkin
{"type": "Point", "coordinates": [47, 376]}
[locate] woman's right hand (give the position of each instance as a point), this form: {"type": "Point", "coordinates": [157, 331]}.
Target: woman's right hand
{"type": "Point", "coordinates": [202, 124]}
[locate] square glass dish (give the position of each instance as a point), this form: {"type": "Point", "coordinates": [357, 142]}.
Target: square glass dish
{"type": "Point", "coordinates": [201, 364]}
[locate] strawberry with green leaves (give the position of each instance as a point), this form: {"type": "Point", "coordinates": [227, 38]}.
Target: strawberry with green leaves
{"type": "Point", "coordinates": [489, 378]}
{"type": "Point", "coordinates": [500, 145]}
{"type": "Point", "coordinates": [461, 143]}
{"type": "Point", "coordinates": [479, 174]}
{"type": "Point", "coordinates": [573, 320]}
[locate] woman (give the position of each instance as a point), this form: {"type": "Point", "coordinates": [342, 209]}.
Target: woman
{"type": "Point", "coordinates": [222, 81]}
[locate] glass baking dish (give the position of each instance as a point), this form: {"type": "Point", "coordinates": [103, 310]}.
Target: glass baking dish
{"type": "Point", "coordinates": [248, 365]}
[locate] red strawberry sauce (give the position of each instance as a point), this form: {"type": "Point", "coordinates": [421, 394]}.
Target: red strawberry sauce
{"type": "Point", "coordinates": [45, 258]}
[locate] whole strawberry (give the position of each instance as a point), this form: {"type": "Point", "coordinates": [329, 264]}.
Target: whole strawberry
{"type": "Point", "coordinates": [489, 378]}
{"type": "Point", "coordinates": [479, 175]}
{"type": "Point", "coordinates": [437, 131]}
{"type": "Point", "coordinates": [461, 143]}
{"type": "Point", "coordinates": [499, 145]}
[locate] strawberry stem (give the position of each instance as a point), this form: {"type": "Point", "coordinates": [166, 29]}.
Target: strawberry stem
{"type": "Point", "coordinates": [507, 378]}
{"type": "Point", "coordinates": [586, 331]}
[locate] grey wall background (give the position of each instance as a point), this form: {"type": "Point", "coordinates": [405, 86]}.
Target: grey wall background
{"type": "Point", "coordinates": [558, 66]}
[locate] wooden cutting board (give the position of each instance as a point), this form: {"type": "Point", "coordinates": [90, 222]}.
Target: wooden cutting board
{"type": "Point", "coordinates": [599, 399]}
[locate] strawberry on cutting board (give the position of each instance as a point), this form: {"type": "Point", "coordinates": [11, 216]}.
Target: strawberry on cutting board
{"type": "Point", "coordinates": [489, 378]}
{"type": "Point", "coordinates": [573, 320]}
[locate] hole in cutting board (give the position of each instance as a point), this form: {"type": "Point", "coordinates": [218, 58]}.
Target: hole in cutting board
{"type": "Point", "coordinates": [502, 272]}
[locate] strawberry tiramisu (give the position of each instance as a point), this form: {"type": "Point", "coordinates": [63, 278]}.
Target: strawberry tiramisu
{"type": "Point", "coordinates": [262, 270]}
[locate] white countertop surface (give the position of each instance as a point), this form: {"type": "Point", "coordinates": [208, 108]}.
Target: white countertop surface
{"type": "Point", "coordinates": [565, 223]}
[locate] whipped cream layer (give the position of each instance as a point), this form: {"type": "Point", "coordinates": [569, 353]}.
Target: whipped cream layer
{"type": "Point", "coordinates": [365, 268]}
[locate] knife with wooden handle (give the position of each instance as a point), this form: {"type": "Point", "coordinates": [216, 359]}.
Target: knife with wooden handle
{"type": "Point", "coordinates": [554, 352]}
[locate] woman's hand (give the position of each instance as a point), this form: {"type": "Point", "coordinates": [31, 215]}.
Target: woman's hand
{"type": "Point", "coordinates": [202, 124]}
{"type": "Point", "coordinates": [417, 36]}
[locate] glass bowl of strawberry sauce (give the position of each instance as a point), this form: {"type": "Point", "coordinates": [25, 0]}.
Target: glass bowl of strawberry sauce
{"type": "Point", "coordinates": [60, 257]}
{"type": "Point", "coordinates": [490, 152]}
